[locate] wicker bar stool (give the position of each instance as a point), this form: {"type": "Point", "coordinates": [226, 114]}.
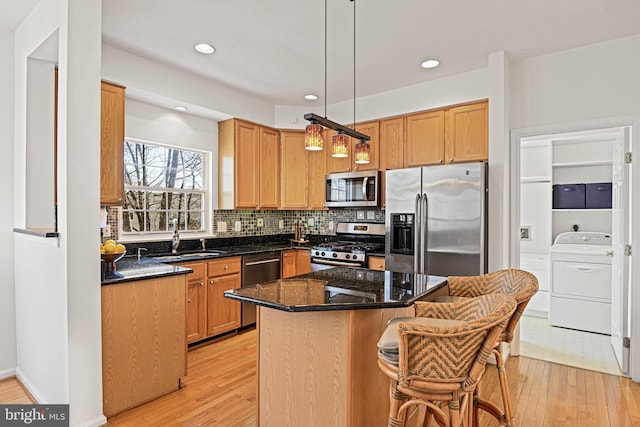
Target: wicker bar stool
{"type": "Point", "coordinates": [440, 355]}
{"type": "Point", "coordinates": [519, 284]}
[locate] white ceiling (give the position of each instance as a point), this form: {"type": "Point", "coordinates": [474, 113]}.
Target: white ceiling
{"type": "Point", "coordinates": [274, 49]}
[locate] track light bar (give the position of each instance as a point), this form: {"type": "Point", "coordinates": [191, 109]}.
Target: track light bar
{"type": "Point", "coordinates": [314, 118]}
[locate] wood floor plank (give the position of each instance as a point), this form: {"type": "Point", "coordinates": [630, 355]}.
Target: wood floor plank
{"type": "Point", "coordinates": [221, 390]}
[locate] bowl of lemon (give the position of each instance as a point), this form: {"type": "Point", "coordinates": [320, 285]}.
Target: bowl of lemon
{"type": "Point", "coordinates": [111, 252]}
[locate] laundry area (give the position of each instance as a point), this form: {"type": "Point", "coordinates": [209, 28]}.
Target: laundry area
{"type": "Point", "coordinates": [574, 222]}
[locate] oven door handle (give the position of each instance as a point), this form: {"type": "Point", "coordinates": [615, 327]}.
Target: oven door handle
{"type": "Point", "coordinates": [337, 263]}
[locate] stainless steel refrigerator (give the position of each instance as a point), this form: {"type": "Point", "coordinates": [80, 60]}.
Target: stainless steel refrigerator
{"type": "Point", "coordinates": [436, 220]}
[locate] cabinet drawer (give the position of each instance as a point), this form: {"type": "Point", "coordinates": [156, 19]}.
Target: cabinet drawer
{"type": "Point", "coordinates": [198, 268]}
{"type": "Point", "coordinates": [376, 263]}
{"type": "Point", "coordinates": [222, 267]}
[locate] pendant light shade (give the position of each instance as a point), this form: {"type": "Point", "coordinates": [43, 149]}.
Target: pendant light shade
{"type": "Point", "coordinates": [362, 153]}
{"type": "Point", "coordinates": [313, 137]}
{"type": "Point", "coordinates": [340, 145]}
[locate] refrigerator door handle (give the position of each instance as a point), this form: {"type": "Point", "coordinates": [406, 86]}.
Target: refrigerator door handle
{"type": "Point", "coordinates": [364, 188]}
{"type": "Point", "coordinates": [417, 234]}
{"type": "Point", "coordinates": [424, 219]}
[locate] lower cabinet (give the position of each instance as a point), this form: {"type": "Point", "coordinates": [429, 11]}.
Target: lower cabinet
{"type": "Point", "coordinates": [376, 263]}
{"type": "Point", "coordinates": [209, 313]}
{"type": "Point", "coordinates": [294, 262]}
{"type": "Point", "coordinates": [144, 351]}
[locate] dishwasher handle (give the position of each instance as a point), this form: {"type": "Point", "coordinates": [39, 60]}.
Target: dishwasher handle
{"type": "Point", "coordinates": [265, 261]}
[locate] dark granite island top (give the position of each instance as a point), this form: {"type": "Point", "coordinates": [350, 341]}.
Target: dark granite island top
{"type": "Point", "coordinates": [341, 288]}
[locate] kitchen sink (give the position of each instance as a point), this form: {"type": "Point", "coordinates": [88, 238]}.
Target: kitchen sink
{"type": "Point", "coordinates": [193, 255]}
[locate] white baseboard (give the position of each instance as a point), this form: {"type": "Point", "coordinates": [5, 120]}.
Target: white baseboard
{"type": "Point", "coordinates": [96, 422]}
{"type": "Point", "coordinates": [28, 385]}
{"type": "Point", "coordinates": [536, 313]}
{"type": "Point", "coordinates": [7, 373]}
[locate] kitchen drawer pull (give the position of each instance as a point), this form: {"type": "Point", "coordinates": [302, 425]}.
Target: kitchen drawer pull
{"type": "Point", "coordinates": [266, 261]}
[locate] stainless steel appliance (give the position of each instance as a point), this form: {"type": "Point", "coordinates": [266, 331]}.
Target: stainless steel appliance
{"type": "Point", "coordinates": [435, 220]}
{"type": "Point", "coordinates": [355, 241]}
{"type": "Point", "coordinates": [352, 189]}
{"type": "Point", "coordinates": [258, 268]}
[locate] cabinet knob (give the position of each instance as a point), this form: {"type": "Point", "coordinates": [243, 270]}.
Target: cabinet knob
{"type": "Point", "coordinates": [440, 161]}
{"type": "Point", "coordinates": [450, 159]}
{"type": "Point", "coordinates": [379, 265]}
{"type": "Point", "coordinates": [211, 281]}
{"type": "Point", "coordinates": [188, 300]}
{"type": "Point", "coordinates": [226, 267]}
{"type": "Point", "coordinates": [201, 283]}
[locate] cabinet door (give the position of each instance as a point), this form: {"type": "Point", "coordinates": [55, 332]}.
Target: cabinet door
{"type": "Point", "coordinates": [294, 171]}
{"type": "Point", "coordinates": [467, 133]}
{"type": "Point", "coordinates": [246, 154]}
{"type": "Point", "coordinates": [425, 139]}
{"type": "Point", "coordinates": [392, 143]}
{"type": "Point", "coordinates": [223, 314]}
{"type": "Point", "coordinates": [303, 262]}
{"type": "Point", "coordinates": [288, 264]}
{"type": "Point", "coordinates": [317, 171]}
{"type": "Point", "coordinates": [111, 145]}
{"type": "Point", "coordinates": [376, 263]}
{"type": "Point", "coordinates": [373, 130]}
{"type": "Point", "coordinates": [196, 301]}
{"type": "Point", "coordinates": [269, 181]}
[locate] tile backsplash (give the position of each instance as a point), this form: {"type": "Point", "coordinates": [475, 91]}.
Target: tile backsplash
{"type": "Point", "coordinates": [268, 222]}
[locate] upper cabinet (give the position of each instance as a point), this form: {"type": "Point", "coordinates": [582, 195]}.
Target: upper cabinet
{"type": "Point", "coordinates": [111, 145]}
{"type": "Point", "coordinates": [347, 164]}
{"type": "Point", "coordinates": [302, 173]}
{"type": "Point", "coordinates": [425, 139]}
{"type": "Point", "coordinates": [467, 133]}
{"type": "Point", "coordinates": [248, 166]}
{"type": "Point", "coordinates": [392, 143]}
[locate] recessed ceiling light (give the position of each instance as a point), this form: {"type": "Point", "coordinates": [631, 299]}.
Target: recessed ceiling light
{"type": "Point", "coordinates": [430, 63]}
{"type": "Point", "coordinates": [311, 97]}
{"type": "Point", "coordinates": [181, 108]}
{"type": "Point", "coordinates": [205, 48]}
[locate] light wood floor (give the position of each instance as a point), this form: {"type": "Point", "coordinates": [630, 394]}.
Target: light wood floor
{"type": "Point", "coordinates": [220, 390]}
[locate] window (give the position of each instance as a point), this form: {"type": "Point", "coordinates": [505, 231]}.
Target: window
{"type": "Point", "coordinates": [162, 183]}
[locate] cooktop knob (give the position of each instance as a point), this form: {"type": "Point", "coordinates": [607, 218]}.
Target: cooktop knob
{"type": "Point", "coordinates": [335, 255]}
{"type": "Point", "coordinates": [322, 253]}
{"type": "Point", "coordinates": [355, 256]}
{"type": "Point", "coordinates": [348, 256]}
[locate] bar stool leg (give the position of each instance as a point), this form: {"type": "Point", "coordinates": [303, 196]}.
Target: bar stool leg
{"type": "Point", "coordinates": [504, 386]}
{"type": "Point", "coordinates": [396, 399]}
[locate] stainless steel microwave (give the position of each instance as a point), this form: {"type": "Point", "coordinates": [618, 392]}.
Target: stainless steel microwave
{"type": "Point", "coordinates": [352, 189]}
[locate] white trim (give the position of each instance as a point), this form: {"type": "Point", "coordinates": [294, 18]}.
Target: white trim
{"type": "Point", "coordinates": [7, 373]}
{"type": "Point", "coordinates": [31, 389]}
{"type": "Point", "coordinates": [95, 422]}
{"type": "Point", "coordinates": [632, 121]}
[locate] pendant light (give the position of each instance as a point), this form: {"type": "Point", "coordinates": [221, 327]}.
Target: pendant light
{"type": "Point", "coordinates": [340, 142]}
{"type": "Point", "coordinates": [313, 139]}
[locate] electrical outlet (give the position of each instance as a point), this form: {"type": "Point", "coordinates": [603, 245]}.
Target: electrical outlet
{"type": "Point", "coordinates": [260, 222]}
{"type": "Point", "coordinates": [281, 224]}
{"type": "Point", "coordinates": [238, 225]}
{"type": "Point", "coordinates": [106, 232]}
{"type": "Point", "coordinates": [360, 215]}
{"type": "Point", "coordinates": [330, 225]}
{"type": "Point", "coordinates": [222, 226]}
{"type": "Point", "coordinates": [311, 222]}
{"type": "Point", "coordinates": [371, 214]}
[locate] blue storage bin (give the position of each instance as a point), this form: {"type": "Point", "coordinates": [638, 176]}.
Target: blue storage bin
{"type": "Point", "coordinates": [569, 196]}
{"type": "Point", "coordinates": [598, 196]}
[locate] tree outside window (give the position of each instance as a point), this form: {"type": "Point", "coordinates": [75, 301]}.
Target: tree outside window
{"type": "Point", "coordinates": [162, 183]}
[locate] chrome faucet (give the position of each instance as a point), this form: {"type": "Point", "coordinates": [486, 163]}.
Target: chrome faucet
{"type": "Point", "coordinates": [175, 240]}
{"type": "Point", "coordinates": [203, 242]}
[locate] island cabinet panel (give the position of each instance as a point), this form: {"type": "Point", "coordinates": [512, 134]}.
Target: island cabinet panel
{"type": "Point", "coordinates": [294, 262]}
{"type": "Point", "coordinates": [223, 314]}
{"type": "Point", "coordinates": [467, 133]}
{"type": "Point", "coordinates": [111, 144]}
{"type": "Point", "coordinates": [320, 368]}
{"type": "Point", "coordinates": [143, 341]}
{"type": "Point", "coordinates": [425, 139]}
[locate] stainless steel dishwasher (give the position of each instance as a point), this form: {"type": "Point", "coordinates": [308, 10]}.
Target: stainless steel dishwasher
{"type": "Point", "coordinates": [258, 268]}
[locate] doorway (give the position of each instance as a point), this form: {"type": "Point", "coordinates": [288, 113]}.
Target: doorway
{"type": "Point", "coordinates": [546, 162]}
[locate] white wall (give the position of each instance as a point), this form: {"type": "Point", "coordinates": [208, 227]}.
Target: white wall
{"type": "Point", "coordinates": [58, 303]}
{"type": "Point", "coordinates": [151, 79]}
{"type": "Point", "coordinates": [8, 359]}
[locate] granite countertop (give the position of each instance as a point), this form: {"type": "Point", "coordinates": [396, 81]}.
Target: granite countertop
{"type": "Point", "coordinates": [129, 269]}
{"type": "Point", "coordinates": [342, 288]}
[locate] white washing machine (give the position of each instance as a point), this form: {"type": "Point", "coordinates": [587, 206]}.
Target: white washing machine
{"type": "Point", "coordinates": [580, 294]}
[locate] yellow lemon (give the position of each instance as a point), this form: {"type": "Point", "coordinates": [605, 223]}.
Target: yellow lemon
{"type": "Point", "coordinates": [120, 248]}
{"type": "Point", "coordinates": [110, 242]}
{"type": "Point", "coordinates": [109, 248]}
{"type": "Point", "coordinates": [102, 250]}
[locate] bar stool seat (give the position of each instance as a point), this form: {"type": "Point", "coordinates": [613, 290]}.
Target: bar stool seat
{"type": "Point", "coordinates": [441, 355]}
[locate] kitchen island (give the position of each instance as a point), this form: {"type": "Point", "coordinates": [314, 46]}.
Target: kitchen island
{"type": "Point", "coordinates": [317, 336]}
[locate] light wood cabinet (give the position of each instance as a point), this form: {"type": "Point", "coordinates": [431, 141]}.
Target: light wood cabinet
{"type": "Point", "coordinates": [248, 165]}
{"type": "Point", "coordinates": [223, 314]}
{"type": "Point", "coordinates": [111, 144]}
{"type": "Point", "coordinates": [294, 262]}
{"type": "Point", "coordinates": [347, 164]}
{"type": "Point", "coordinates": [392, 143]}
{"type": "Point", "coordinates": [196, 301]}
{"type": "Point", "coordinates": [467, 134]}
{"type": "Point", "coordinates": [144, 348]}
{"type": "Point", "coordinates": [302, 174]}
{"type": "Point", "coordinates": [425, 139]}
{"type": "Point", "coordinates": [376, 263]}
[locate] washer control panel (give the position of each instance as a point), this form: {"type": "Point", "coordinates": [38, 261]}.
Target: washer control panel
{"type": "Point", "coordinates": [584, 238]}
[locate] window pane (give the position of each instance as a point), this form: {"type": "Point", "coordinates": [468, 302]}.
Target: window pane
{"type": "Point", "coordinates": [176, 201]}
{"type": "Point", "coordinates": [154, 155]}
{"type": "Point", "coordinates": [132, 221]}
{"type": "Point", "coordinates": [134, 199]}
{"type": "Point", "coordinates": [194, 201]}
{"type": "Point", "coordinates": [180, 216]}
{"type": "Point", "coordinates": [133, 175]}
{"type": "Point", "coordinates": [194, 220]}
{"type": "Point", "coordinates": [157, 221]}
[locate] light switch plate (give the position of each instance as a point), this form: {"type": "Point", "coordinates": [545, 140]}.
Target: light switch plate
{"type": "Point", "coordinates": [222, 226]}
{"type": "Point", "coordinates": [330, 225]}
{"type": "Point", "coordinates": [360, 215]}
{"type": "Point", "coordinates": [371, 215]}
{"type": "Point", "coordinates": [281, 224]}
{"type": "Point", "coordinates": [311, 222]}
{"type": "Point", "coordinates": [238, 226]}
{"type": "Point", "coordinates": [260, 222]}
